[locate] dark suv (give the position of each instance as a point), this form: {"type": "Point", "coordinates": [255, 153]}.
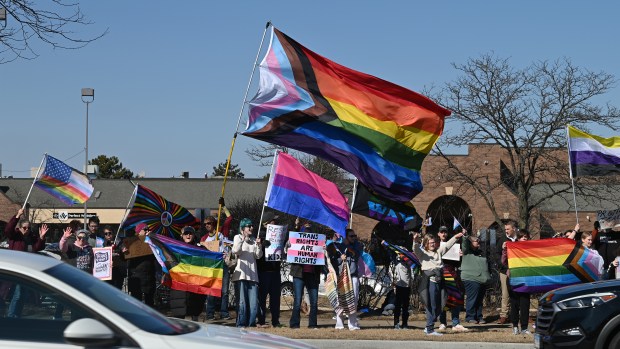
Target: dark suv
{"type": "Point", "coordinates": [580, 316]}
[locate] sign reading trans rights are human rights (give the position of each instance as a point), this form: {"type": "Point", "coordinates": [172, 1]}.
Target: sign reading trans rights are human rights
{"type": "Point", "coordinates": [306, 248]}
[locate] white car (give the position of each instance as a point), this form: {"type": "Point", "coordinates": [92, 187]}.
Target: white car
{"type": "Point", "coordinates": [63, 307]}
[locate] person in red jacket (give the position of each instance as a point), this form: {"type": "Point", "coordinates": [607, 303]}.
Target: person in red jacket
{"type": "Point", "coordinates": [21, 238]}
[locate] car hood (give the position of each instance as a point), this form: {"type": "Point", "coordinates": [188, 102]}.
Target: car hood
{"type": "Point", "coordinates": [579, 289]}
{"type": "Point", "coordinates": [218, 336]}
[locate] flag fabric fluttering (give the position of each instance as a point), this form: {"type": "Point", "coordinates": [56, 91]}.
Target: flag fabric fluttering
{"type": "Point", "coordinates": [191, 268]}
{"type": "Point", "coordinates": [372, 206]}
{"type": "Point", "coordinates": [64, 182]}
{"type": "Point", "coordinates": [409, 257]}
{"type": "Point", "coordinates": [299, 192]}
{"type": "Point", "coordinates": [542, 265]}
{"type": "Point", "coordinates": [456, 224]}
{"type": "Point", "coordinates": [346, 293]}
{"type": "Point", "coordinates": [331, 286]}
{"type": "Point", "coordinates": [162, 216]}
{"type": "Point", "coordinates": [376, 130]}
{"type": "Point", "coordinates": [591, 155]}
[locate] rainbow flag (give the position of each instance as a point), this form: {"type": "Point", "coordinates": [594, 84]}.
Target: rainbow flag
{"type": "Point", "coordinates": [162, 216]}
{"type": "Point", "coordinates": [544, 265]}
{"type": "Point", "coordinates": [592, 155]}
{"type": "Point", "coordinates": [64, 182]}
{"type": "Point", "coordinates": [378, 131]}
{"type": "Point", "coordinates": [191, 268]}
{"type": "Point", "coordinates": [409, 257]}
{"type": "Point", "coordinates": [299, 192]}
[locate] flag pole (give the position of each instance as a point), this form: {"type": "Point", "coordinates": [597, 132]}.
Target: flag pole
{"type": "Point", "coordinates": [352, 203]}
{"type": "Point", "coordinates": [34, 181]}
{"type": "Point", "coordinates": [232, 146]}
{"type": "Point", "coordinates": [135, 192]}
{"type": "Point", "coordinates": [268, 191]}
{"type": "Point", "coordinates": [570, 171]}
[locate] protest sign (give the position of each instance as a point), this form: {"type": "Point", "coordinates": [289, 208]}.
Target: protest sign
{"type": "Point", "coordinates": [608, 219]}
{"type": "Point", "coordinates": [306, 248]}
{"type": "Point", "coordinates": [275, 235]}
{"type": "Point", "coordinates": [453, 254]}
{"type": "Point", "coordinates": [102, 267]}
{"type": "Point", "coordinates": [136, 247]}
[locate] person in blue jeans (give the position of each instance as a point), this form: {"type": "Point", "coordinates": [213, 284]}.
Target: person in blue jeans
{"type": "Point", "coordinates": [269, 279]}
{"type": "Point", "coordinates": [429, 253]}
{"type": "Point", "coordinates": [308, 276]}
{"type": "Point", "coordinates": [475, 274]}
{"type": "Point", "coordinates": [247, 250]}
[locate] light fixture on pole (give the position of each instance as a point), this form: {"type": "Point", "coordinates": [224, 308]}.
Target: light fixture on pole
{"type": "Point", "coordinates": [88, 96]}
{"type": "Point", "coordinates": [3, 17]}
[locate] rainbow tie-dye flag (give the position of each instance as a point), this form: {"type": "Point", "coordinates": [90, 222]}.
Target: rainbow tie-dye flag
{"type": "Point", "coordinates": [378, 131]}
{"type": "Point", "coordinates": [544, 265]}
{"type": "Point", "coordinates": [162, 216]}
{"type": "Point", "coordinates": [191, 268]}
{"type": "Point", "coordinates": [63, 182]}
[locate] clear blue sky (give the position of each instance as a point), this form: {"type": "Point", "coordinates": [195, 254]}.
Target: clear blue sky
{"type": "Point", "coordinates": [169, 77]}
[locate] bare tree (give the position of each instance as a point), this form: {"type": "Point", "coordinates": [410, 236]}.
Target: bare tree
{"type": "Point", "coordinates": [524, 111]}
{"type": "Point", "coordinates": [53, 22]}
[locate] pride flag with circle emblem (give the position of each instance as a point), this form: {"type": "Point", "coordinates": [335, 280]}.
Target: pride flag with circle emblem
{"type": "Point", "coordinates": [162, 216]}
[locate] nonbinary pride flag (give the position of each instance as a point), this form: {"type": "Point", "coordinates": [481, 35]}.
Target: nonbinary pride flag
{"type": "Point", "coordinates": [592, 155]}
{"type": "Point", "coordinates": [299, 192]}
{"type": "Point", "coordinates": [191, 268]}
{"type": "Point", "coordinates": [64, 182]}
{"type": "Point", "coordinates": [378, 131]}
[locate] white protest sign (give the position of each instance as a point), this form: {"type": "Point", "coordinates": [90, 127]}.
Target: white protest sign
{"type": "Point", "coordinates": [453, 254]}
{"type": "Point", "coordinates": [306, 248]}
{"type": "Point", "coordinates": [102, 268]}
{"type": "Point", "coordinates": [275, 235]}
{"type": "Point", "coordinates": [608, 219]}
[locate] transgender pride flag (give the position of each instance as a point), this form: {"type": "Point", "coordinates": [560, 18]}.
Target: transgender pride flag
{"type": "Point", "coordinates": [295, 190]}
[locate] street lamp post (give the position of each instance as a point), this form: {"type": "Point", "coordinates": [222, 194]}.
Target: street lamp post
{"type": "Point", "coordinates": [2, 17]}
{"type": "Point", "coordinates": [88, 96]}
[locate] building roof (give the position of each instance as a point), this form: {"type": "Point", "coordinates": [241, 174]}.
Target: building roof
{"type": "Point", "coordinates": [589, 198]}
{"type": "Point", "coordinates": [116, 193]}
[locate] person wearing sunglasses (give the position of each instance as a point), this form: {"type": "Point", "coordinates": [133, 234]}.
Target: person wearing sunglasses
{"type": "Point", "coordinates": [21, 238]}
{"type": "Point", "coordinates": [185, 304]}
{"type": "Point", "coordinates": [349, 252]}
{"type": "Point", "coordinates": [79, 252]}
{"type": "Point", "coordinates": [119, 266]}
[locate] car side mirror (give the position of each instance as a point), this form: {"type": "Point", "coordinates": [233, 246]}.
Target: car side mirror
{"type": "Point", "coordinates": [89, 333]}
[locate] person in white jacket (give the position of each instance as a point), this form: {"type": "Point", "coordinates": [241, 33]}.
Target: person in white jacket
{"type": "Point", "coordinates": [248, 250]}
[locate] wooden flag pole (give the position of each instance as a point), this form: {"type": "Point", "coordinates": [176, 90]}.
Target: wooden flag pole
{"type": "Point", "coordinates": [232, 147]}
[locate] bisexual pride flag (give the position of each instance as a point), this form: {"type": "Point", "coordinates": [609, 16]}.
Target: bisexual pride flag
{"type": "Point", "coordinates": [299, 192]}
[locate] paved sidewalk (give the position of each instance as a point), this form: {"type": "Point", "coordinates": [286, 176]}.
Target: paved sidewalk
{"type": "Point", "coordinates": [375, 344]}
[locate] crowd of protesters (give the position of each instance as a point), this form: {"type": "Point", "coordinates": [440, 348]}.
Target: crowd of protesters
{"type": "Point", "coordinates": [445, 285]}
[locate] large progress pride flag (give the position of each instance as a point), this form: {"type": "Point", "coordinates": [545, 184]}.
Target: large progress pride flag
{"type": "Point", "coordinates": [299, 192]}
{"type": "Point", "coordinates": [544, 265]}
{"type": "Point", "coordinates": [376, 130]}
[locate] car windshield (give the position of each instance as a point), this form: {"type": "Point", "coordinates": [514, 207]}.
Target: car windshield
{"type": "Point", "coordinates": [134, 311]}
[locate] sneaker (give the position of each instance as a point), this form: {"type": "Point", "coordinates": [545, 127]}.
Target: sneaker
{"type": "Point", "coordinates": [354, 328]}
{"type": "Point", "coordinates": [277, 326]}
{"type": "Point", "coordinates": [397, 327]}
{"type": "Point", "coordinates": [460, 328]}
{"type": "Point", "coordinates": [481, 321]}
{"type": "Point", "coordinates": [526, 332]}
{"type": "Point", "coordinates": [210, 318]}
{"type": "Point", "coordinates": [502, 320]}
{"type": "Point", "coordinates": [433, 333]}
{"type": "Point", "coordinates": [339, 327]}
{"type": "Point", "coordinates": [515, 331]}
{"type": "Point", "coordinates": [472, 321]}
{"type": "Point", "coordinates": [442, 327]}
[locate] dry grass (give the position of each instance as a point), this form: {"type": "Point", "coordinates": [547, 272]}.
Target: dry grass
{"type": "Point", "coordinates": [380, 328]}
